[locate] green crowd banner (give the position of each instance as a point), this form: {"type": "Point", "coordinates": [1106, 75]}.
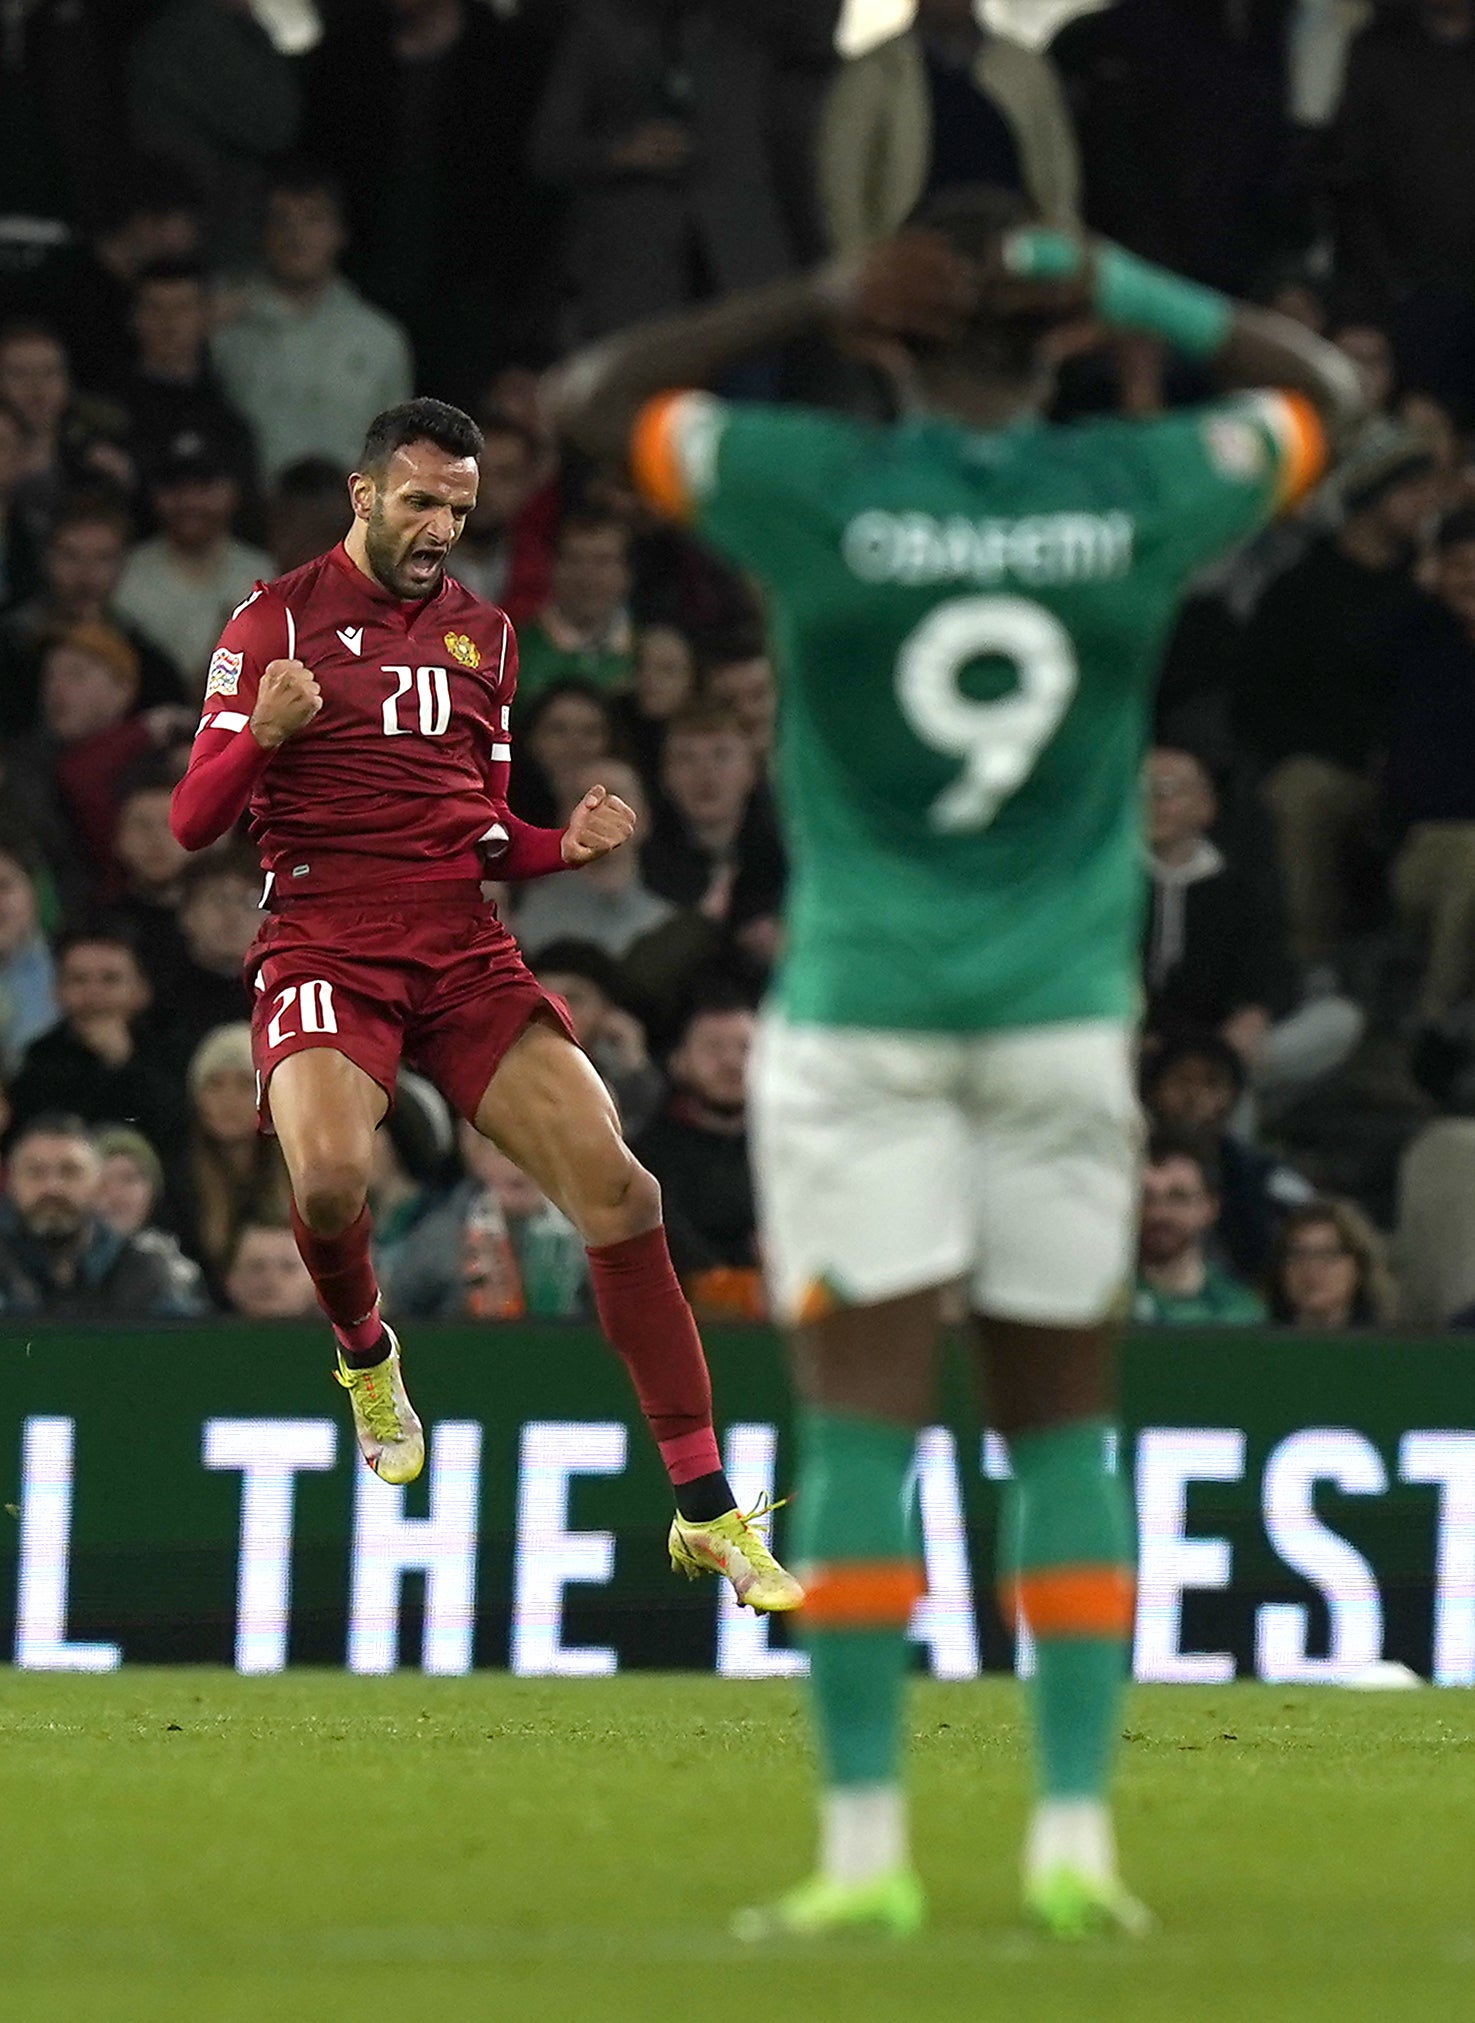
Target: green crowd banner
{"type": "Point", "coordinates": [1305, 1508]}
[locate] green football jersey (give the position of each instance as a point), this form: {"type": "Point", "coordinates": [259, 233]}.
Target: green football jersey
{"type": "Point", "coordinates": [967, 628]}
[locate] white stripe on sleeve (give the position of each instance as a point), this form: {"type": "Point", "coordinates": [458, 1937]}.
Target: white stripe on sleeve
{"type": "Point", "coordinates": [223, 720]}
{"type": "Point", "coordinates": [502, 752]}
{"type": "Point", "coordinates": [291, 633]}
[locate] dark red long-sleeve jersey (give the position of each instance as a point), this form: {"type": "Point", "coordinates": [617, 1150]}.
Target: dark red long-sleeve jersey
{"type": "Point", "coordinates": [402, 775]}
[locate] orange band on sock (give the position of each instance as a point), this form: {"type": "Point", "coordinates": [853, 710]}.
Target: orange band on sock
{"type": "Point", "coordinates": [1071, 1601]}
{"type": "Point", "coordinates": [862, 1594]}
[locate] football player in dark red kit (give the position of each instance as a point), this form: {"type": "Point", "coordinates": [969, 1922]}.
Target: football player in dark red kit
{"type": "Point", "coordinates": [360, 708]}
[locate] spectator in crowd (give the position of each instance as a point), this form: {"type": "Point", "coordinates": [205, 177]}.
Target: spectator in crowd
{"type": "Point", "coordinates": [308, 513]}
{"type": "Point", "coordinates": [588, 981]}
{"type": "Point", "coordinates": [58, 1257]}
{"type": "Point", "coordinates": [232, 1173]}
{"type": "Point", "coordinates": [1215, 952]}
{"type": "Point", "coordinates": [219, 916]}
{"type": "Point", "coordinates": [131, 1185]}
{"type": "Point", "coordinates": [738, 678]}
{"type": "Point", "coordinates": [451, 86]}
{"type": "Point", "coordinates": [1180, 112]}
{"type": "Point", "coordinates": [180, 587]}
{"type": "Point", "coordinates": [308, 361]}
{"type": "Point", "coordinates": [1432, 656]}
{"type": "Point", "coordinates": [1328, 1269]}
{"type": "Point", "coordinates": [130, 1191]}
{"type": "Point", "coordinates": [171, 389]}
{"type": "Point", "coordinates": [1367, 343]}
{"type": "Point", "coordinates": [81, 565]}
{"type": "Point", "coordinates": [1178, 1283]}
{"type": "Point", "coordinates": [57, 137]}
{"type": "Point", "coordinates": [412, 1150]}
{"type": "Point", "coordinates": [714, 824]}
{"type": "Point", "coordinates": [210, 93]}
{"type": "Point", "coordinates": [583, 632]}
{"type": "Point", "coordinates": [663, 681]}
{"type": "Point", "coordinates": [19, 561]}
{"type": "Point", "coordinates": [947, 102]}
{"type": "Point", "coordinates": [494, 1249]}
{"type": "Point", "coordinates": [27, 973]}
{"type": "Point", "coordinates": [152, 865]}
{"type": "Point", "coordinates": [504, 553]}
{"type": "Point", "coordinates": [64, 442]}
{"type": "Point", "coordinates": [151, 214]}
{"type": "Point", "coordinates": [67, 779]}
{"type": "Point", "coordinates": [1312, 693]}
{"type": "Point", "coordinates": [98, 1060]}
{"type": "Point", "coordinates": [265, 1279]}
{"type": "Point", "coordinates": [697, 1147]}
{"type": "Point", "coordinates": [1405, 184]}
{"type": "Point", "coordinates": [568, 725]}
{"type": "Point", "coordinates": [612, 911]}
{"type": "Point", "coordinates": [658, 123]}
{"type": "Point", "coordinates": [1195, 1082]}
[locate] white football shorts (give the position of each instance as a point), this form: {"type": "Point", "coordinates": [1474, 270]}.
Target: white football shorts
{"type": "Point", "coordinates": [888, 1162]}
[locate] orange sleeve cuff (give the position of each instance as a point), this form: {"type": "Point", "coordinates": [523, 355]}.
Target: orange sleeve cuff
{"type": "Point", "coordinates": [654, 462]}
{"type": "Point", "coordinates": [1305, 450]}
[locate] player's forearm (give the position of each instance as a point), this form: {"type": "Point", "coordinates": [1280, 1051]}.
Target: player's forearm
{"type": "Point", "coordinates": [595, 397]}
{"type": "Point", "coordinates": [1266, 349]}
{"type": "Point", "coordinates": [530, 853]}
{"type": "Point", "coordinates": [215, 792]}
{"type": "Point", "coordinates": [1241, 346]}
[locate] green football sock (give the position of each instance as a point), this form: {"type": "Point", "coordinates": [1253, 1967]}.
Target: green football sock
{"type": "Point", "coordinates": [856, 1539]}
{"type": "Point", "coordinates": [1065, 1568]}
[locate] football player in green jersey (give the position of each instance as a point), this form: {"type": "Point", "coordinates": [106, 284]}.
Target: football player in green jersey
{"type": "Point", "coordinates": [969, 608]}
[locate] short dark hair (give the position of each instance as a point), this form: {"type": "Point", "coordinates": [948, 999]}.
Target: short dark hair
{"type": "Point", "coordinates": [1167, 1143]}
{"type": "Point", "coordinates": [237, 860]}
{"type": "Point", "coordinates": [1193, 1043]}
{"type": "Point", "coordinates": [310, 478]}
{"type": "Point", "coordinates": [31, 330]}
{"type": "Point", "coordinates": [300, 176]}
{"type": "Point", "coordinates": [51, 1124]}
{"type": "Point", "coordinates": [589, 520]}
{"type": "Point", "coordinates": [580, 958]}
{"type": "Point", "coordinates": [149, 188]}
{"type": "Point", "coordinates": [702, 719]}
{"type": "Point", "coordinates": [153, 776]}
{"type": "Point", "coordinates": [1456, 529]}
{"type": "Point", "coordinates": [90, 934]}
{"type": "Point", "coordinates": [419, 421]}
{"type": "Point", "coordinates": [975, 220]}
{"type": "Point", "coordinates": [97, 506]}
{"type": "Point", "coordinates": [496, 421]}
{"type": "Point", "coordinates": [733, 649]}
{"type": "Point", "coordinates": [166, 271]}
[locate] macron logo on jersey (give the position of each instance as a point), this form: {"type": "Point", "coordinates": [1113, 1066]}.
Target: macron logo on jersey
{"type": "Point", "coordinates": [352, 637]}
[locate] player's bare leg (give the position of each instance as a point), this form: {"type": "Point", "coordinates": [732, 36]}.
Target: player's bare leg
{"type": "Point", "coordinates": [548, 1110]}
{"type": "Point", "coordinates": [1065, 1571]}
{"type": "Point", "coordinates": [325, 1110]}
{"type": "Point", "coordinates": [866, 1378]}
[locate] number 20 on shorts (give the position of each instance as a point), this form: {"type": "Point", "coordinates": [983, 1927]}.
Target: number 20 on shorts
{"type": "Point", "coordinates": [314, 1006]}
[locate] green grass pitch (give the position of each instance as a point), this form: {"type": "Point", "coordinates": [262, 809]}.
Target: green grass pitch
{"type": "Point", "coordinates": [188, 1845]}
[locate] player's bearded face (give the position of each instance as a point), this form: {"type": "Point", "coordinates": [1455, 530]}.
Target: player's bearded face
{"type": "Point", "coordinates": [408, 559]}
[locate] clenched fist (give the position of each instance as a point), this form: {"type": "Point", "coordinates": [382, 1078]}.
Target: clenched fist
{"type": "Point", "coordinates": [286, 703]}
{"type": "Point", "coordinates": [600, 823]}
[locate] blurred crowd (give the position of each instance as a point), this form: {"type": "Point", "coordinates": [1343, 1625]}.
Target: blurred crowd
{"type": "Point", "coordinates": [219, 259]}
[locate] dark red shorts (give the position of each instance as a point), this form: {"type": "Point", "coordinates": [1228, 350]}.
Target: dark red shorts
{"type": "Point", "coordinates": [434, 979]}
